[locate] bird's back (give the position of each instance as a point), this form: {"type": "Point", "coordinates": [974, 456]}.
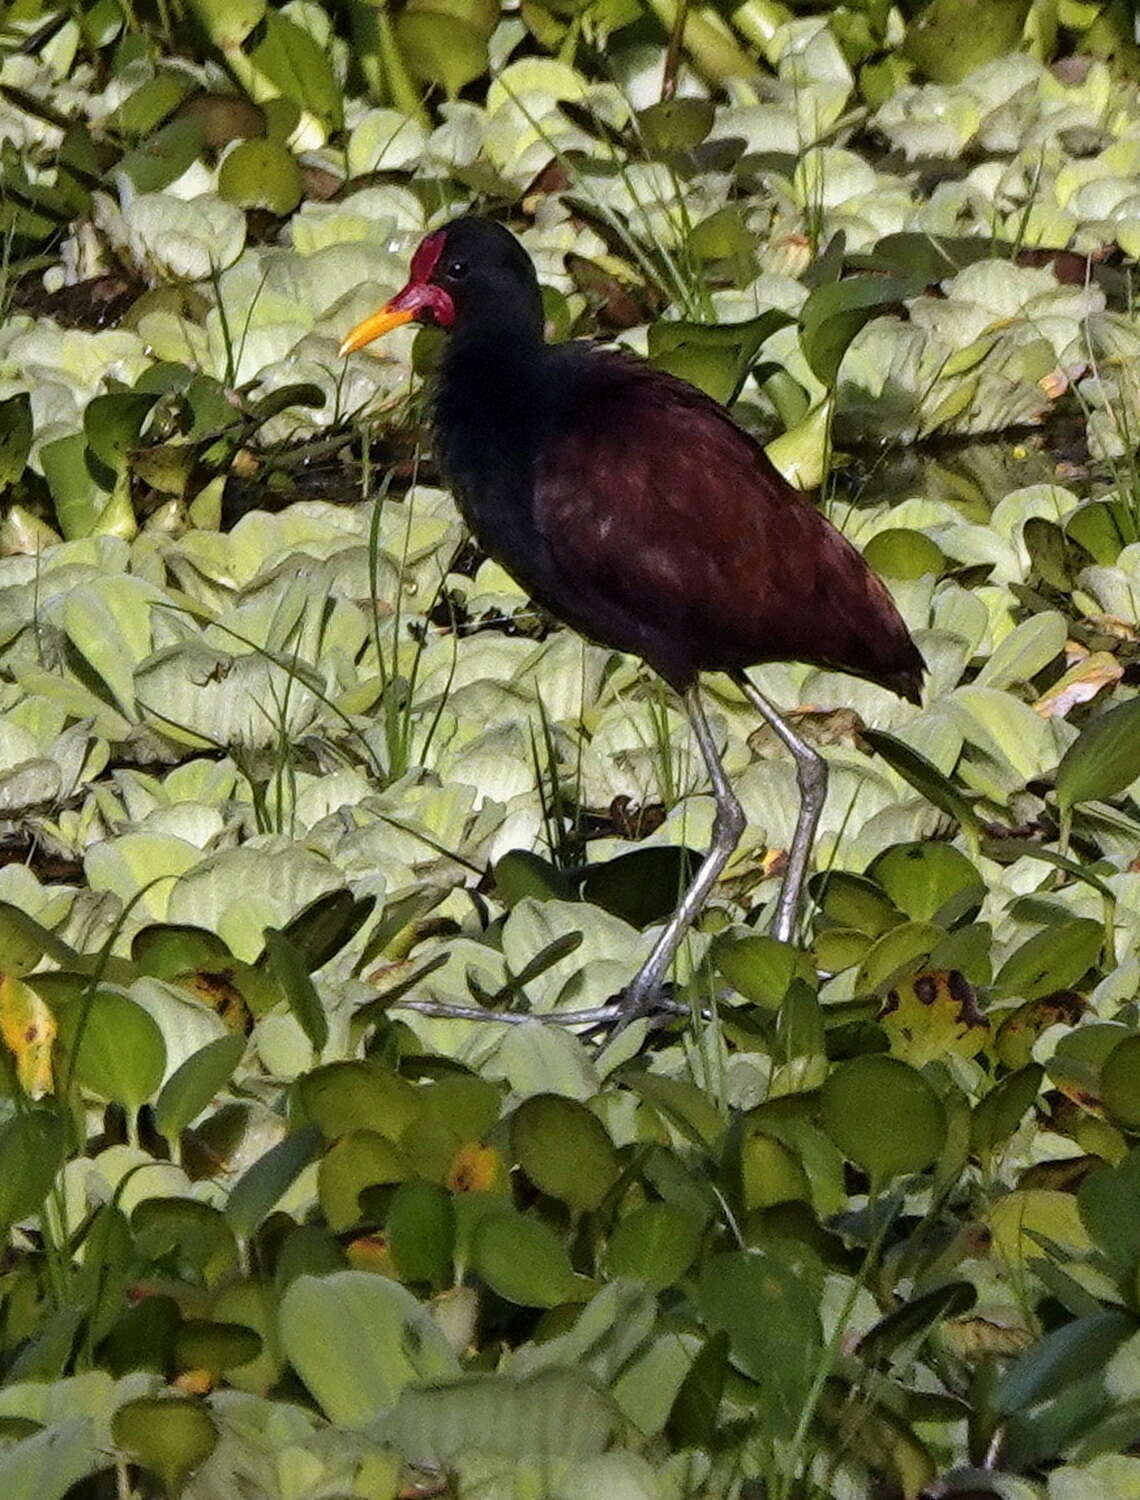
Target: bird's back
{"type": "Point", "coordinates": [669, 528]}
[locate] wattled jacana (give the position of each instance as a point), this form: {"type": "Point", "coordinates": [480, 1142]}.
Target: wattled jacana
{"type": "Point", "coordinates": [632, 506]}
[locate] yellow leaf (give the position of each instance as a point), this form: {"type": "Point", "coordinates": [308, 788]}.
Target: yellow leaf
{"type": "Point", "coordinates": [28, 1029]}
{"type": "Point", "coordinates": [933, 1013]}
{"type": "Point", "coordinates": [1084, 681]}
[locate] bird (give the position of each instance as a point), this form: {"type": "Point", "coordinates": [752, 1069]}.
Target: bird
{"type": "Point", "coordinates": [635, 509]}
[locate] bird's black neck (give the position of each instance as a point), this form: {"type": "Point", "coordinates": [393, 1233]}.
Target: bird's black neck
{"type": "Point", "coordinates": [489, 403]}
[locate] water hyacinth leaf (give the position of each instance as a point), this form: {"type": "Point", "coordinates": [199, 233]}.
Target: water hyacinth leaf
{"type": "Point", "coordinates": [322, 928]}
{"type": "Point", "coordinates": [289, 969]}
{"type": "Point", "coordinates": [854, 901]}
{"type": "Point", "coordinates": [1053, 959]}
{"type": "Point", "coordinates": [771, 1316]}
{"type": "Point", "coordinates": [421, 1233]}
{"type": "Point", "coordinates": [1109, 1203]}
{"type": "Point", "coordinates": [861, 1105]}
{"type": "Point", "coordinates": [1103, 759]}
{"type": "Point", "coordinates": [1102, 528]}
{"type": "Point", "coordinates": [24, 941]}
{"type": "Point", "coordinates": [1067, 1354]}
{"type": "Point", "coordinates": [950, 38]}
{"type": "Point", "coordinates": [687, 1108]}
{"type": "Point", "coordinates": [642, 887]}
{"type": "Point", "coordinates": [924, 776]}
{"type": "Point", "coordinates": [205, 1344]}
{"type": "Point", "coordinates": [15, 437]}
{"type": "Point", "coordinates": [80, 501]}
{"type": "Point", "coordinates": [150, 104]}
{"type": "Point", "coordinates": [524, 1261]}
{"type": "Point", "coordinates": [929, 882]}
{"type": "Point", "coordinates": [440, 48]}
{"type": "Point", "coordinates": [28, 1030]}
{"type": "Point", "coordinates": [261, 174]}
{"type": "Point", "coordinates": [289, 59]}
{"type": "Point", "coordinates": [897, 955]}
{"type": "Point", "coordinates": [934, 1014]}
{"type": "Point", "coordinates": [112, 425]}
{"type": "Point", "coordinates": [714, 356]}
{"type": "Point", "coordinates": [675, 124]}
{"type": "Point", "coordinates": [656, 1243]}
{"type": "Point", "coordinates": [359, 1160]}
{"type": "Point", "coordinates": [257, 1191]}
{"type": "Point", "coordinates": [1026, 650]}
{"type": "Point", "coordinates": [168, 1435]}
{"type": "Point", "coordinates": [565, 1150]}
{"type": "Point", "coordinates": [835, 312]}
{"type": "Point", "coordinates": [899, 553]}
{"type": "Point", "coordinates": [758, 967]}
{"type": "Point", "coordinates": [1120, 1083]}
{"type": "Point", "coordinates": [693, 1417]}
{"type": "Point", "coordinates": [520, 873]}
{"type": "Point", "coordinates": [915, 1319]}
{"type": "Point", "coordinates": [555, 1416]}
{"type": "Point", "coordinates": [999, 1113]}
{"type": "Point", "coordinates": [164, 156]}
{"type": "Point", "coordinates": [32, 1145]}
{"type": "Point", "coordinates": [195, 1083]}
{"type": "Point", "coordinates": [358, 1095]}
{"type": "Point", "coordinates": [115, 1048]}
{"type": "Point", "coordinates": [228, 22]}
{"type": "Point", "coordinates": [357, 1340]}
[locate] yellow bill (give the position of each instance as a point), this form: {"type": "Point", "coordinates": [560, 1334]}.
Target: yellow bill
{"type": "Point", "coordinates": [379, 323]}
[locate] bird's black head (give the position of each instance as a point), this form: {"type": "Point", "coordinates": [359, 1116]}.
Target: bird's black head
{"type": "Point", "coordinates": [471, 270]}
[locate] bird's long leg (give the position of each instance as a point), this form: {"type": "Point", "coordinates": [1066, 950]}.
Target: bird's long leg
{"type": "Point", "coordinates": [811, 776]}
{"type": "Point", "coordinates": [728, 825]}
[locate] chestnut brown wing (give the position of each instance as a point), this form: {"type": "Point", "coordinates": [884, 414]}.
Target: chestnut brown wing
{"type": "Point", "coordinates": [674, 536]}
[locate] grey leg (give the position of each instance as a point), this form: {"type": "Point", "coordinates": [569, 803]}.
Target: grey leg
{"type": "Point", "coordinates": [640, 994]}
{"type": "Point", "coordinates": [811, 775]}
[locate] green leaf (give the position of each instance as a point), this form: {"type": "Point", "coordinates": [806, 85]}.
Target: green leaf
{"type": "Point", "coordinates": [929, 882]}
{"type": "Point", "coordinates": [1103, 759]}
{"type": "Point", "coordinates": [924, 776]}
{"type": "Point", "coordinates": [256, 1192]}
{"type": "Point", "coordinates": [167, 1435]}
{"type": "Point", "coordinates": [714, 356]}
{"type": "Point", "coordinates": [15, 437]}
{"type": "Point", "coordinates": [950, 38]}
{"type": "Point", "coordinates": [32, 1147]}
{"type": "Point", "coordinates": [1120, 1083]}
{"type": "Point", "coordinates": [261, 174]}
{"type": "Point", "coordinates": [564, 1149]}
{"type": "Point", "coordinates": [359, 1160]}
{"type": "Point", "coordinates": [759, 967]}
{"type": "Point", "coordinates": [861, 1105]}
{"type": "Point", "coordinates": [358, 1340]}
{"type": "Point", "coordinates": [998, 1115]}
{"type": "Point", "coordinates": [524, 1262]}
{"type": "Point", "coordinates": [1053, 959]}
{"type": "Point", "coordinates": [112, 424]}
{"type": "Point", "coordinates": [442, 49]}
{"type": "Point", "coordinates": [289, 59]}
{"type": "Point", "coordinates": [116, 1048]}
{"type": "Point", "coordinates": [899, 553]}
{"type": "Point", "coordinates": [421, 1233]}
{"type": "Point", "coordinates": [771, 1315]}
{"type": "Point", "coordinates": [675, 125]}
{"type": "Point", "coordinates": [163, 157]}
{"type": "Point", "coordinates": [1054, 1361]}
{"type": "Point", "coordinates": [656, 1243]}
{"type": "Point", "coordinates": [204, 1344]}
{"type": "Point", "coordinates": [193, 1085]}
{"type": "Point", "coordinates": [915, 1320]}
{"type": "Point", "coordinates": [834, 313]}
{"type": "Point", "coordinates": [288, 967]}
{"type": "Point", "coordinates": [228, 22]}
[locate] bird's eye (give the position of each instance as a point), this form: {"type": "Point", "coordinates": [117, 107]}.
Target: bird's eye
{"type": "Point", "coordinates": [456, 270]}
